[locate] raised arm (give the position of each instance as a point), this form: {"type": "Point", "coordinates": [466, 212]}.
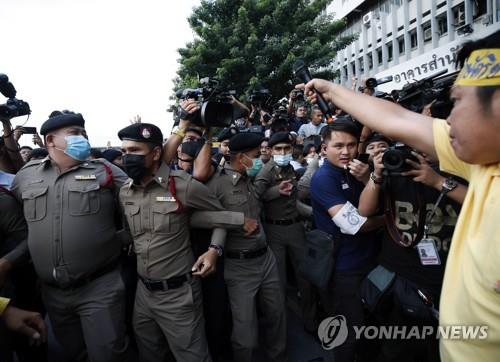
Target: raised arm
{"type": "Point", "coordinates": [382, 116]}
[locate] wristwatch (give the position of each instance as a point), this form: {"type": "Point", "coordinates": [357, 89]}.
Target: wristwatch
{"type": "Point", "coordinates": [448, 185]}
{"type": "Point", "coordinates": [217, 248]}
{"type": "Point", "coordinates": [376, 179]}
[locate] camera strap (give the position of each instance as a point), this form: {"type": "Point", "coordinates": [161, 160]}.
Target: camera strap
{"type": "Point", "coordinates": [433, 212]}
{"type": "Point", "coordinates": [390, 215]}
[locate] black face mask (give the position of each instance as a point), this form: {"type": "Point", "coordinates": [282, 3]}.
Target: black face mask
{"type": "Point", "coordinates": [134, 166]}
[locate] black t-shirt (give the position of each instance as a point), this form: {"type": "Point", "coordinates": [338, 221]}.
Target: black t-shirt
{"type": "Point", "coordinates": [406, 261]}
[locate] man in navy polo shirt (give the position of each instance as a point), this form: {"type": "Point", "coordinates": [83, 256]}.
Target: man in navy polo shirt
{"type": "Point", "coordinates": [335, 191]}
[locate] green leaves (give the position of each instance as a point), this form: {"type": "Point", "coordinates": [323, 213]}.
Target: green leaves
{"type": "Point", "coordinates": [254, 43]}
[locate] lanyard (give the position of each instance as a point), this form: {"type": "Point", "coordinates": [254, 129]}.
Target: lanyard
{"type": "Point", "coordinates": [429, 217]}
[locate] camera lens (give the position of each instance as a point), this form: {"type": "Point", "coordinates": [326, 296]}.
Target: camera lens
{"type": "Point", "coordinates": [393, 160]}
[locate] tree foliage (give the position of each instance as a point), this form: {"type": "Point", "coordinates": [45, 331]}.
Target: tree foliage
{"type": "Point", "coordinates": [250, 44]}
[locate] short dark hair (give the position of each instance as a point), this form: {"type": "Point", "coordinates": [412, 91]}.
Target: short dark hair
{"type": "Point", "coordinates": [484, 94]}
{"type": "Point", "coordinates": [345, 127]}
{"type": "Point", "coordinates": [25, 148]}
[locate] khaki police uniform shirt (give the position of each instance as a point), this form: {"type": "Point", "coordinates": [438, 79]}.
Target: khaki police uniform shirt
{"type": "Point", "coordinates": [237, 193]}
{"type": "Point", "coordinates": [70, 216]}
{"type": "Point", "coordinates": [276, 206]}
{"type": "Point", "coordinates": [159, 221]}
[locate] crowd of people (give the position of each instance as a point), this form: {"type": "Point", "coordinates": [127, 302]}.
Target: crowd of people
{"type": "Point", "coordinates": [191, 247]}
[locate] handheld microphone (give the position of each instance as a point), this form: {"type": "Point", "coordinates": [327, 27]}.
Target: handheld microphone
{"type": "Point", "coordinates": [302, 72]}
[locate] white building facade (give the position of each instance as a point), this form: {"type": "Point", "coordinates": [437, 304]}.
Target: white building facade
{"type": "Point", "coordinates": [409, 39]}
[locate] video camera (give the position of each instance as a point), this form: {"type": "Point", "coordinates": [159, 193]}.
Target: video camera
{"type": "Point", "coordinates": [216, 109]}
{"type": "Point", "coordinates": [13, 107]}
{"type": "Point", "coordinates": [260, 97]}
{"type": "Point", "coordinates": [414, 96]}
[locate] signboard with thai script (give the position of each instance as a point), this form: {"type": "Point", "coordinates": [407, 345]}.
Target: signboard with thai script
{"type": "Point", "coordinates": [421, 67]}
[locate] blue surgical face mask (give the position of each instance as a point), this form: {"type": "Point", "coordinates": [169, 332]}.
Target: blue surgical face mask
{"type": "Point", "coordinates": [77, 147]}
{"type": "Point", "coordinates": [282, 160]}
{"type": "Point", "coordinates": [256, 166]}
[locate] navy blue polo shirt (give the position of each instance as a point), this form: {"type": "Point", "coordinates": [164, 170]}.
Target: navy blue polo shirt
{"type": "Point", "coordinates": [332, 186]}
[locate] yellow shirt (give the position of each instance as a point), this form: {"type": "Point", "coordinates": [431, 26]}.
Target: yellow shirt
{"type": "Point", "coordinates": [3, 304]}
{"type": "Point", "coordinates": [471, 287]}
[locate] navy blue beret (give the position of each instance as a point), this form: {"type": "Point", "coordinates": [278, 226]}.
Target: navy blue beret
{"type": "Point", "coordinates": [245, 141]}
{"type": "Point", "coordinates": [60, 121]}
{"type": "Point", "coordinates": [280, 137]}
{"type": "Point", "coordinates": [142, 132]}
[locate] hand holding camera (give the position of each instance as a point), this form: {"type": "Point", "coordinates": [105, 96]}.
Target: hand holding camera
{"type": "Point", "coordinates": [423, 172]}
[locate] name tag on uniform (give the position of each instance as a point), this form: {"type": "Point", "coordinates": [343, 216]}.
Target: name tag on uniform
{"type": "Point", "coordinates": [85, 177]}
{"type": "Point", "coordinates": [427, 252]}
{"type": "Point", "coordinates": [165, 199]}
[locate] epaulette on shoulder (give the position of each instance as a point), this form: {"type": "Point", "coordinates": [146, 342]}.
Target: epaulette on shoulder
{"type": "Point", "coordinates": [35, 163]}
{"type": "Point", "coordinates": [180, 174]}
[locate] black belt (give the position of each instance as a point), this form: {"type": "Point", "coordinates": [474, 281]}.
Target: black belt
{"type": "Point", "coordinates": [283, 222]}
{"type": "Point", "coordinates": [245, 254]}
{"type": "Point", "coordinates": [164, 284]}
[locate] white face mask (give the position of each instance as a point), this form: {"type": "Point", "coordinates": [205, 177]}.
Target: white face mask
{"type": "Point", "coordinates": [282, 160]}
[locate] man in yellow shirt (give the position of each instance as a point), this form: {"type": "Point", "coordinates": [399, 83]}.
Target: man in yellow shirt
{"type": "Point", "coordinates": [467, 145]}
{"type": "Point", "coordinates": [22, 321]}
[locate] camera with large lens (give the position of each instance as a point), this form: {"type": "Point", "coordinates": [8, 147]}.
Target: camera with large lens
{"type": "Point", "coordinates": [13, 107]}
{"type": "Point", "coordinates": [394, 159]}
{"type": "Point", "coordinates": [215, 107]}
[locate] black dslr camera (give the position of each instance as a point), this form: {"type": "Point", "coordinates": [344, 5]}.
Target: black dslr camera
{"type": "Point", "coordinates": [394, 159]}
{"type": "Point", "coordinates": [216, 109]}
{"type": "Point", "coordinates": [260, 97]}
{"type": "Point", "coordinates": [14, 107]}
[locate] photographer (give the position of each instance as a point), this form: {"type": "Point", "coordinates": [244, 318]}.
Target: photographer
{"type": "Point", "coordinates": [467, 146]}
{"type": "Point", "coordinates": [418, 191]}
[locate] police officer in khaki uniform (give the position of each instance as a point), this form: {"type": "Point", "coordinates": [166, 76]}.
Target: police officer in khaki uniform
{"type": "Point", "coordinates": [276, 185]}
{"type": "Point", "coordinates": [168, 307]}
{"type": "Point", "coordinates": [69, 205]}
{"type": "Point", "coordinates": [250, 268]}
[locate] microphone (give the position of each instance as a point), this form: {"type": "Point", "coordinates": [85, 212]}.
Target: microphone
{"type": "Point", "coordinates": [302, 72]}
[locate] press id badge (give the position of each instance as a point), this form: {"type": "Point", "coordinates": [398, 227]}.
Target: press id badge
{"type": "Point", "coordinates": [427, 251]}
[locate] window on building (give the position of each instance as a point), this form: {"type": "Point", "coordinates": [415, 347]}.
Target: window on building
{"type": "Point", "coordinates": [353, 68]}
{"type": "Point", "coordinates": [413, 39]}
{"type": "Point", "coordinates": [389, 51]}
{"type": "Point", "coordinates": [442, 24]}
{"type": "Point", "coordinates": [401, 44]}
{"type": "Point", "coordinates": [427, 31]}
{"type": "Point", "coordinates": [370, 61]}
{"type": "Point", "coordinates": [480, 8]}
{"type": "Point", "coordinates": [344, 72]}
{"type": "Point", "coordinates": [459, 15]}
{"type": "Point", "coordinates": [379, 56]}
{"type": "Point", "coordinates": [361, 65]}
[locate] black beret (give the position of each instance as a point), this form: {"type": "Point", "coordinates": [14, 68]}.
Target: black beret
{"type": "Point", "coordinates": [60, 121]}
{"type": "Point", "coordinates": [245, 141]}
{"type": "Point", "coordinates": [142, 132]}
{"type": "Point", "coordinates": [111, 154]}
{"type": "Point", "coordinates": [280, 137]}
{"type": "Point", "coordinates": [227, 133]}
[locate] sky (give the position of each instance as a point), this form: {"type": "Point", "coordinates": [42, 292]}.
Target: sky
{"type": "Point", "coordinates": [107, 59]}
